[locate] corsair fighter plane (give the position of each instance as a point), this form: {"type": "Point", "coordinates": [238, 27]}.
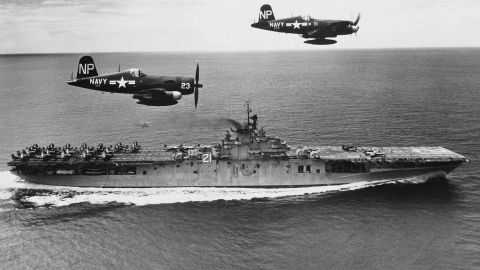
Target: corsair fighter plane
{"type": "Point", "coordinates": [316, 31]}
{"type": "Point", "coordinates": [149, 90]}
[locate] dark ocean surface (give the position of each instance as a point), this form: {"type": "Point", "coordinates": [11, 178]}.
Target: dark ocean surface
{"type": "Point", "coordinates": [427, 97]}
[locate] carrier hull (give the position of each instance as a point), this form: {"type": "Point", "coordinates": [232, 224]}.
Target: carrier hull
{"type": "Point", "coordinates": [231, 175]}
{"type": "Point", "coordinates": [247, 157]}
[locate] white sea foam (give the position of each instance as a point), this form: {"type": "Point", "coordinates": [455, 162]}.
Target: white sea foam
{"type": "Point", "coordinates": [61, 196]}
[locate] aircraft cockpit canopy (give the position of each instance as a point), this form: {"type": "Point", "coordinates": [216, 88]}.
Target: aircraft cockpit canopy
{"type": "Point", "coordinates": [307, 18]}
{"type": "Point", "coordinates": [136, 73]}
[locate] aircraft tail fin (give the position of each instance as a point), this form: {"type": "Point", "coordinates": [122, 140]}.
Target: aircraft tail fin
{"type": "Point", "coordinates": [266, 13]}
{"type": "Point", "coordinates": [86, 67]}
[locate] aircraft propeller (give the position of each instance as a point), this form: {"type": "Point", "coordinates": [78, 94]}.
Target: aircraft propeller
{"type": "Point", "coordinates": [357, 20]}
{"type": "Point", "coordinates": [354, 26]}
{"type": "Point", "coordinates": [197, 85]}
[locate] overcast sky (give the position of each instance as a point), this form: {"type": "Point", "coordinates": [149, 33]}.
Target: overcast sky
{"type": "Point", "coordinates": [29, 26]}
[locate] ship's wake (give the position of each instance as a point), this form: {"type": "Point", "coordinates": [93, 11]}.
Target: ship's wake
{"type": "Point", "coordinates": [21, 194]}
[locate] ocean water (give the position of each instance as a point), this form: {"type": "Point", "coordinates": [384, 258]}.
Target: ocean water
{"type": "Point", "coordinates": [426, 97]}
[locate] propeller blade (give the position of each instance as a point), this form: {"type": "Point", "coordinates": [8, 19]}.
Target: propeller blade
{"type": "Point", "coordinates": [357, 20]}
{"type": "Point", "coordinates": [196, 97]}
{"type": "Point", "coordinates": [197, 75]}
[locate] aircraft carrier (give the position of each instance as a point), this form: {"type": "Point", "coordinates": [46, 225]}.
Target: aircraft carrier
{"type": "Point", "coordinates": [246, 157]}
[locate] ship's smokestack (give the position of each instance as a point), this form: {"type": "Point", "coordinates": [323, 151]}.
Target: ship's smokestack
{"type": "Point", "coordinates": [254, 119]}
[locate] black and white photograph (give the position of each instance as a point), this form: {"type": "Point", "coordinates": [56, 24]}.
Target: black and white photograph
{"type": "Point", "coordinates": [208, 134]}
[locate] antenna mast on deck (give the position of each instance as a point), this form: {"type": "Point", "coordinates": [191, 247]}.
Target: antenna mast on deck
{"type": "Point", "coordinates": [247, 105]}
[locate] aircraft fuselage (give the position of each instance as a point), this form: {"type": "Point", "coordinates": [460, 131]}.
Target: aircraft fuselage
{"type": "Point", "coordinates": [125, 83]}
{"type": "Point", "coordinates": [300, 25]}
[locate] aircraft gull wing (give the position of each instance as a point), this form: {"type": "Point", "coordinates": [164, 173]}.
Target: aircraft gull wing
{"type": "Point", "coordinates": [157, 97]}
{"type": "Point", "coordinates": [313, 34]}
{"type": "Point", "coordinates": [154, 93]}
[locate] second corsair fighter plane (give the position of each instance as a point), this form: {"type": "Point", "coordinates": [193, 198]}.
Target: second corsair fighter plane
{"type": "Point", "coordinates": [313, 29]}
{"type": "Point", "coordinates": [149, 90]}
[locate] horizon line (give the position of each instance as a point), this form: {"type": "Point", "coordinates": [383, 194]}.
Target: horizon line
{"type": "Point", "coordinates": [243, 51]}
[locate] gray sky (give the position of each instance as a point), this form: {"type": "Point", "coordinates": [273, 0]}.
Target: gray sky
{"type": "Point", "coordinates": [29, 26]}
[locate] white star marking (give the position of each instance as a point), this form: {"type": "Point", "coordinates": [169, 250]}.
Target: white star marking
{"type": "Point", "coordinates": [122, 83]}
{"type": "Point", "coordinates": [296, 24]}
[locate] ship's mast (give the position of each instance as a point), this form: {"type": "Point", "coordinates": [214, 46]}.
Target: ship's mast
{"type": "Point", "coordinates": [247, 105]}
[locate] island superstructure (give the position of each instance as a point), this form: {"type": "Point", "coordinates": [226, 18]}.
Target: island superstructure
{"type": "Point", "coordinates": [246, 157]}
